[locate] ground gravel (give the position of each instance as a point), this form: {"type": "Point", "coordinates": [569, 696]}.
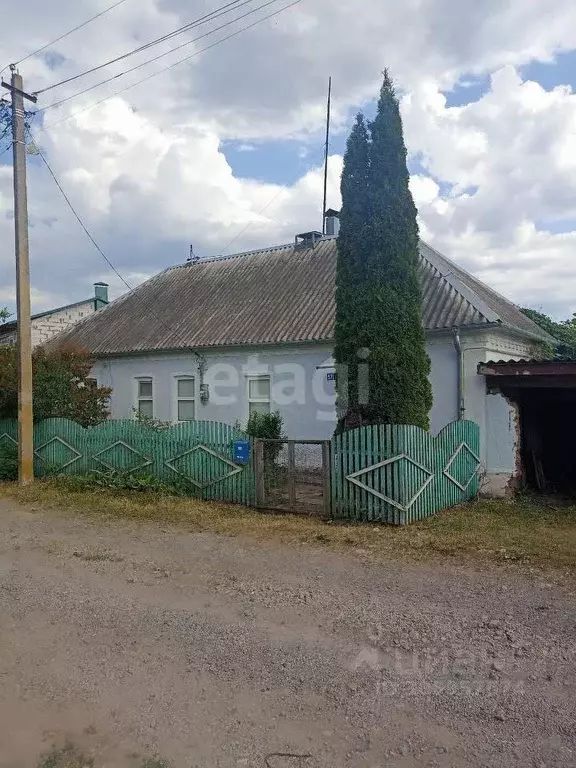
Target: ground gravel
{"type": "Point", "coordinates": [131, 640]}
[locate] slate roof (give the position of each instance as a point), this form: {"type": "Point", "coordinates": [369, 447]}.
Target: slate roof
{"type": "Point", "coordinates": [272, 296]}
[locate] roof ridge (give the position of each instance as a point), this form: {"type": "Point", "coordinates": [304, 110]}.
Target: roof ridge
{"type": "Point", "coordinates": [255, 252]}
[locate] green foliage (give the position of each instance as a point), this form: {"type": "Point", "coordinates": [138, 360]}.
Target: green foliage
{"type": "Point", "coordinates": [268, 426]}
{"type": "Point", "coordinates": [148, 422]}
{"type": "Point", "coordinates": [8, 462]}
{"type": "Point", "coordinates": [4, 315]}
{"type": "Point", "coordinates": [564, 332]}
{"type": "Point", "coordinates": [62, 387]}
{"type": "Point", "coordinates": [118, 480]}
{"type": "Point", "coordinates": [68, 757]}
{"type": "Point", "coordinates": [379, 329]}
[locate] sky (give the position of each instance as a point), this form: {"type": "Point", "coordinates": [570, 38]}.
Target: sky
{"type": "Point", "coordinates": [225, 150]}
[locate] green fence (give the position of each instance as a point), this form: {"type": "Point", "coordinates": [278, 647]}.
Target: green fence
{"type": "Point", "coordinates": [399, 474]}
{"type": "Point", "coordinates": [202, 452]}
{"type": "Point", "coordinates": [388, 473]}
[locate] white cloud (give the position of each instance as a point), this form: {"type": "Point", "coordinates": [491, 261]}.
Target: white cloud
{"type": "Point", "coordinates": [148, 175]}
{"type": "Point", "coordinates": [510, 159]}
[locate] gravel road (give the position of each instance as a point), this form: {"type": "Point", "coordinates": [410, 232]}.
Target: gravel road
{"type": "Point", "coordinates": [135, 641]}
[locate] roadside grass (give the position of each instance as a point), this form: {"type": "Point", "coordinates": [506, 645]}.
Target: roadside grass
{"type": "Point", "coordinates": [525, 531]}
{"type": "Point", "coordinates": [71, 757]}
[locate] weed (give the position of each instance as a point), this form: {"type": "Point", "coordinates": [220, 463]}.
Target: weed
{"type": "Point", "coordinates": [68, 757]}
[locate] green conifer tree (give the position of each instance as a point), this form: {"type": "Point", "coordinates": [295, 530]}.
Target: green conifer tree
{"type": "Point", "coordinates": [378, 312]}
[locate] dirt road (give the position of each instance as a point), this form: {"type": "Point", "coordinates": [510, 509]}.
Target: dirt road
{"type": "Point", "coordinates": [135, 641]}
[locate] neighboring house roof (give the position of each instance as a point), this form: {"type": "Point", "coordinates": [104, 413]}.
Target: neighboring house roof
{"type": "Point", "coordinates": [273, 296]}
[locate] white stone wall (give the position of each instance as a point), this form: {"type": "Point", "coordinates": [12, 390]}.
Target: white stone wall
{"type": "Point", "coordinates": [46, 327]}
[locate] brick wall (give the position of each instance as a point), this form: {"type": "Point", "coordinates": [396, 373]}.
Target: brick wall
{"type": "Point", "coordinates": [46, 327]}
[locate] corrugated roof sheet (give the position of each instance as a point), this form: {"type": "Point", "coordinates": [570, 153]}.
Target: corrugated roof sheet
{"type": "Point", "coordinates": [271, 296]}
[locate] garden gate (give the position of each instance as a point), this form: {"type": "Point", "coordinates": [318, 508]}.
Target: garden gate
{"type": "Point", "coordinates": [293, 476]}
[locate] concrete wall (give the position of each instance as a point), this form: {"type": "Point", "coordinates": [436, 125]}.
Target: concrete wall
{"type": "Point", "coordinates": [49, 325]}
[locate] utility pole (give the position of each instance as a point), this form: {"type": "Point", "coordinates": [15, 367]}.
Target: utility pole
{"type": "Point", "coordinates": [25, 421]}
{"type": "Point", "coordinates": [327, 149]}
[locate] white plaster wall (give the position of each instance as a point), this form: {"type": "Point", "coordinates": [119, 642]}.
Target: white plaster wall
{"type": "Point", "coordinates": [46, 327]}
{"type": "Point", "coordinates": [308, 409]}
{"type": "Point", "coordinates": [498, 420]}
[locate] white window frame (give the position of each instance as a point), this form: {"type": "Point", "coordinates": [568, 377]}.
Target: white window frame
{"type": "Point", "coordinates": [138, 399]}
{"type": "Point", "coordinates": [176, 398]}
{"type": "Point", "coordinates": [249, 400]}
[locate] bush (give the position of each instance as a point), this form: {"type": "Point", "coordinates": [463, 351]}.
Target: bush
{"type": "Point", "coordinates": [62, 384]}
{"type": "Point", "coordinates": [8, 462]}
{"type": "Point", "coordinates": [117, 480]}
{"type": "Point", "coordinates": [267, 426]}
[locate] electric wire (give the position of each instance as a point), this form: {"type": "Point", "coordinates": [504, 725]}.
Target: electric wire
{"type": "Point", "coordinates": [170, 66]}
{"type": "Point", "coordinates": [162, 55]}
{"type": "Point", "coordinates": [57, 40]}
{"type": "Point", "coordinates": [190, 25]}
{"type": "Point", "coordinates": [79, 220]}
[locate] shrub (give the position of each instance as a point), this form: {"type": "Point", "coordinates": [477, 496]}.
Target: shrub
{"type": "Point", "coordinates": [267, 426]}
{"type": "Point", "coordinates": [62, 384]}
{"type": "Point", "coordinates": [117, 480]}
{"type": "Point", "coordinates": [8, 462]}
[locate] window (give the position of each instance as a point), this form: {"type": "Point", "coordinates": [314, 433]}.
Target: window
{"type": "Point", "coordinates": [258, 394]}
{"type": "Point", "coordinates": [186, 398]}
{"type": "Point", "coordinates": [145, 397]}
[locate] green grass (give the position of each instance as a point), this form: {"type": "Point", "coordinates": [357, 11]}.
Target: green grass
{"type": "Point", "coordinates": [525, 531]}
{"type": "Point", "coordinates": [70, 757]}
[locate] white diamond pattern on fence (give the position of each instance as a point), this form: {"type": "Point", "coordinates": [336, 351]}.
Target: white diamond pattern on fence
{"type": "Point", "coordinates": [5, 438]}
{"type": "Point", "coordinates": [455, 456]}
{"type": "Point", "coordinates": [128, 450]}
{"type": "Point", "coordinates": [428, 475]}
{"type": "Point", "coordinates": [75, 455]}
{"type": "Point", "coordinates": [233, 469]}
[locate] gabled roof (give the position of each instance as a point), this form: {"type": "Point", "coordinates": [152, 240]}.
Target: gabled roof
{"type": "Point", "coordinates": [273, 296]}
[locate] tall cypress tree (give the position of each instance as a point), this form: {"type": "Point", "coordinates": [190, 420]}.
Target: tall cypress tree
{"type": "Point", "coordinates": [378, 302]}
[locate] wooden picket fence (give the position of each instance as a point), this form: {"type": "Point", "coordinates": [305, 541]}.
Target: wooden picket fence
{"type": "Point", "coordinates": [388, 473]}
{"type": "Point", "coordinates": [400, 474]}
{"type": "Point", "coordinates": [199, 452]}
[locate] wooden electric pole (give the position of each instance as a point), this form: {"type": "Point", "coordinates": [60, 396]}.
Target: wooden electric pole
{"type": "Point", "coordinates": [25, 421]}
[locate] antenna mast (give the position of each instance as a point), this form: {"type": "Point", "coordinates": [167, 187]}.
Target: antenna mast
{"type": "Point", "coordinates": [325, 201]}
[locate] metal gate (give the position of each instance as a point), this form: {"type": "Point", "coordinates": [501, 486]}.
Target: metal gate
{"type": "Point", "coordinates": [293, 476]}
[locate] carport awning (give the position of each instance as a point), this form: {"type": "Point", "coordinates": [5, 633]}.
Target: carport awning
{"type": "Point", "coordinates": [531, 373]}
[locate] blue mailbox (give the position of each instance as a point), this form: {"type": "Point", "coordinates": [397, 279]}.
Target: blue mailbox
{"type": "Point", "coordinates": [242, 451]}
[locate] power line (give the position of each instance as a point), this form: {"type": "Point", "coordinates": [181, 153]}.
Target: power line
{"type": "Point", "coordinates": [79, 220]}
{"type": "Point", "coordinates": [57, 40]}
{"type": "Point", "coordinates": [171, 66]}
{"type": "Point", "coordinates": [190, 25]}
{"type": "Point", "coordinates": [162, 55]}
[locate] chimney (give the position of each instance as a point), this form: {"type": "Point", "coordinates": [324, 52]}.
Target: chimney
{"type": "Point", "coordinates": [100, 295]}
{"type": "Point", "coordinates": [332, 218]}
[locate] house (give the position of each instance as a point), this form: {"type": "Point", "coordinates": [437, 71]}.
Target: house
{"type": "Point", "coordinates": [48, 324]}
{"type": "Point", "coordinates": [224, 337]}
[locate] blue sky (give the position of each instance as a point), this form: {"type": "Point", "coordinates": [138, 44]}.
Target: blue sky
{"type": "Point", "coordinates": [190, 154]}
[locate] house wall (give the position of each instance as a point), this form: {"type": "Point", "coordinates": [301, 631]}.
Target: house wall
{"type": "Point", "coordinates": [498, 419]}
{"type": "Point", "coordinates": [301, 390]}
{"type": "Point", "coordinates": [306, 398]}
{"type": "Point", "coordinates": [46, 327]}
